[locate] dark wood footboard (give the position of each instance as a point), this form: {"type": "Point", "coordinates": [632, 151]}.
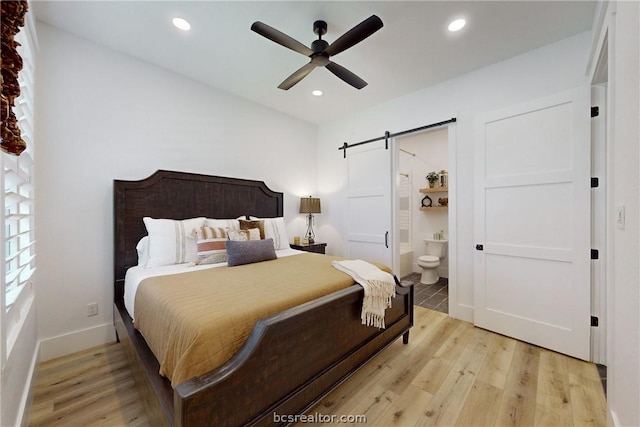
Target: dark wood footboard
{"type": "Point", "coordinates": [289, 362]}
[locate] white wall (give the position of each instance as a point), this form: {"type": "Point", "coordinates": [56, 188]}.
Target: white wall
{"type": "Point", "coordinates": [538, 73]}
{"type": "Point", "coordinates": [102, 115]}
{"type": "Point", "coordinates": [431, 151]}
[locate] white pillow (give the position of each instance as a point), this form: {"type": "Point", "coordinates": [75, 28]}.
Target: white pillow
{"type": "Point", "coordinates": [225, 224]}
{"type": "Point", "coordinates": [171, 241]}
{"type": "Point", "coordinates": [143, 251]}
{"type": "Point", "coordinates": [275, 229]}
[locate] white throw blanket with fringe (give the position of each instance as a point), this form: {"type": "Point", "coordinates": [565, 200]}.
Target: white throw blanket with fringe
{"type": "Point", "coordinates": [379, 287]}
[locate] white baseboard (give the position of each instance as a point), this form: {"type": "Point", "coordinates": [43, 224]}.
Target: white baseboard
{"type": "Point", "coordinates": [50, 348]}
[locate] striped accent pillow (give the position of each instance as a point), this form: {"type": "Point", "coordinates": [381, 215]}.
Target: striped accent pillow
{"type": "Point", "coordinates": [211, 243]}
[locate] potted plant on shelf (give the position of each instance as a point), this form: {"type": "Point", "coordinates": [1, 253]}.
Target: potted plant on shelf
{"type": "Point", "coordinates": [432, 177]}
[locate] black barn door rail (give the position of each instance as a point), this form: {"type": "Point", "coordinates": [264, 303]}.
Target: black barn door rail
{"type": "Point", "coordinates": [388, 135]}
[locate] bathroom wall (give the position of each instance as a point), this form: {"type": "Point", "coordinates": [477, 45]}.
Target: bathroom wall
{"type": "Point", "coordinates": [431, 154]}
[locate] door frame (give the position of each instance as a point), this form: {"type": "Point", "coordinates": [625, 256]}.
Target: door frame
{"type": "Point", "coordinates": [602, 226]}
{"type": "Point", "coordinates": [452, 251]}
{"type": "Point", "coordinates": [599, 221]}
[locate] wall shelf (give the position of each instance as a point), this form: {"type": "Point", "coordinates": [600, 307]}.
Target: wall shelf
{"type": "Point", "coordinates": [434, 190]}
{"type": "Point", "coordinates": [434, 208]}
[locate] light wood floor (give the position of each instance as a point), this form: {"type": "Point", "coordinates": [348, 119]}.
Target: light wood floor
{"type": "Point", "coordinates": [449, 374]}
{"type": "Point", "coordinates": [91, 388]}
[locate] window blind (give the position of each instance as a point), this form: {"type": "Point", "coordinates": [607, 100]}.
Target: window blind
{"type": "Point", "coordinates": [19, 237]}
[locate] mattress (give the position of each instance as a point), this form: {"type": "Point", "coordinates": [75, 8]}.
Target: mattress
{"type": "Point", "coordinates": [137, 274]}
{"type": "Point", "coordinates": [194, 322]}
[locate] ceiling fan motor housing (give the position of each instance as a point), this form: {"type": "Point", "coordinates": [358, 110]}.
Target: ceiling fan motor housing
{"type": "Point", "coordinates": [318, 46]}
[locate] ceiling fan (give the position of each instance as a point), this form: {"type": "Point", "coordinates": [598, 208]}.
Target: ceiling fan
{"type": "Point", "coordinates": [321, 51]}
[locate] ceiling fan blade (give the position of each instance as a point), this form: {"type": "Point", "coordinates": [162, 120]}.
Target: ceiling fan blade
{"type": "Point", "coordinates": [355, 35]}
{"type": "Point", "coordinates": [298, 75]}
{"type": "Point", "coordinates": [280, 38]}
{"type": "Point", "coordinates": [346, 75]}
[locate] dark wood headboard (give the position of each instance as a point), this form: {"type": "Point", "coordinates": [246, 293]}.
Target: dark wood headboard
{"type": "Point", "coordinates": [181, 195]}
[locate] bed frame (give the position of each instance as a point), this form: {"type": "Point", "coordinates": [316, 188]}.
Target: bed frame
{"type": "Point", "coordinates": [290, 360]}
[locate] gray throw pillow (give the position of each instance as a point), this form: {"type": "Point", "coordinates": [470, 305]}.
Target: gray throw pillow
{"type": "Point", "coordinates": [249, 251]}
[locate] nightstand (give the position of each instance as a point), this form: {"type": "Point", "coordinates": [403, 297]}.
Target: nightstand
{"type": "Point", "coordinates": [316, 247]}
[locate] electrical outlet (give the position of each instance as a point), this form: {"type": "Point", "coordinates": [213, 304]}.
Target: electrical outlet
{"type": "Point", "coordinates": [92, 309]}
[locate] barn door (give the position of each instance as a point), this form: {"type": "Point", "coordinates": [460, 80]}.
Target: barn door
{"type": "Point", "coordinates": [368, 213]}
{"type": "Point", "coordinates": [532, 230]}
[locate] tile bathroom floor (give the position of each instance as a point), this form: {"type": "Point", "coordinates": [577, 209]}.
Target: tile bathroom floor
{"type": "Point", "coordinates": [435, 297]}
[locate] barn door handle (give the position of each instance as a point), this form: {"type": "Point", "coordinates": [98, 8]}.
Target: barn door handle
{"type": "Point", "coordinates": [386, 239]}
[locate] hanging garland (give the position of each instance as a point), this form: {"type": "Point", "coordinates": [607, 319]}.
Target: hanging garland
{"type": "Point", "coordinates": [13, 13]}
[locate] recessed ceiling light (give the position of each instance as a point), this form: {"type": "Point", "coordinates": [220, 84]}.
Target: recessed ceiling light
{"type": "Point", "coordinates": [317, 92]}
{"type": "Point", "coordinates": [457, 25]}
{"type": "Point", "coordinates": [182, 24]}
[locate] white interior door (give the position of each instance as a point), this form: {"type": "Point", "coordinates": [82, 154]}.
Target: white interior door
{"type": "Point", "coordinates": [368, 212]}
{"type": "Point", "coordinates": [532, 204]}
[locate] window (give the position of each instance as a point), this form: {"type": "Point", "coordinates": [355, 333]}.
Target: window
{"type": "Point", "coordinates": [17, 201]}
{"type": "Point", "coordinates": [19, 253]}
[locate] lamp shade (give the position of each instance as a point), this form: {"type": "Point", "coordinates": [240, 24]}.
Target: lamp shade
{"type": "Point", "coordinates": [310, 205]}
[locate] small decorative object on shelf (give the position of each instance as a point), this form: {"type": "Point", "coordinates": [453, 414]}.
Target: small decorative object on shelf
{"type": "Point", "coordinates": [432, 177]}
{"type": "Point", "coordinates": [443, 178]}
{"type": "Point", "coordinates": [443, 201]}
{"type": "Point", "coordinates": [426, 201]}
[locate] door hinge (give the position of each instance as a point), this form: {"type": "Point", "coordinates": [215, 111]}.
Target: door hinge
{"type": "Point", "coordinates": [479, 248]}
{"type": "Point", "coordinates": [594, 321]}
{"type": "Point", "coordinates": [594, 254]}
{"type": "Point", "coordinates": [595, 182]}
{"type": "Point", "coordinates": [595, 111]}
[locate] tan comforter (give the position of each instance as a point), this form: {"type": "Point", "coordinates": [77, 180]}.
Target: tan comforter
{"type": "Point", "coordinates": [194, 322]}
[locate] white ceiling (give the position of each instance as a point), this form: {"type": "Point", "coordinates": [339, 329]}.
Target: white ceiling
{"type": "Point", "coordinates": [412, 51]}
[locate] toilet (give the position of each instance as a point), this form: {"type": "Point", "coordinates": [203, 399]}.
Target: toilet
{"type": "Point", "coordinates": [436, 250]}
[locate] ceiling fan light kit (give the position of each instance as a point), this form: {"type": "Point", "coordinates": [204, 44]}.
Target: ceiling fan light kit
{"type": "Point", "coordinates": [321, 51]}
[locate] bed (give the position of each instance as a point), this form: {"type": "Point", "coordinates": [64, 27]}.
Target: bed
{"type": "Point", "coordinates": [290, 360]}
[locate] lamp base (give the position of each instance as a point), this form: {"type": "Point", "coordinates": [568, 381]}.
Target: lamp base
{"type": "Point", "coordinates": [310, 236]}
